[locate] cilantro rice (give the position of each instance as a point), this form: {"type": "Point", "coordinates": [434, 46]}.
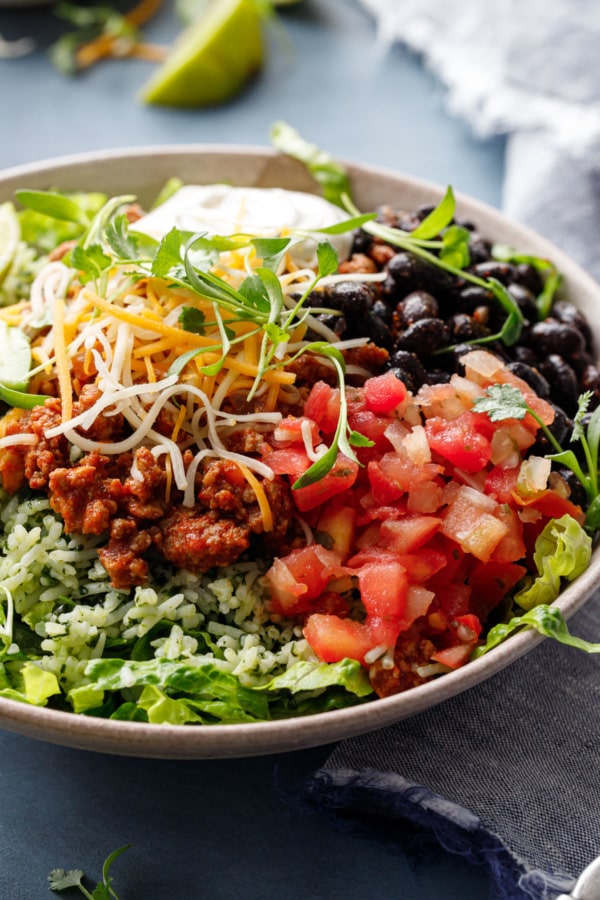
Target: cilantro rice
{"type": "Point", "coordinates": [62, 613]}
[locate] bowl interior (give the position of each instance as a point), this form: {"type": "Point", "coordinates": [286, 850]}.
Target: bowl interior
{"type": "Point", "coordinates": [143, 172]}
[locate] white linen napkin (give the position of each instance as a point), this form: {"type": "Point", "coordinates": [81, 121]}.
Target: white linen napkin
{"type": "Point", "coordinates": [506, 774]}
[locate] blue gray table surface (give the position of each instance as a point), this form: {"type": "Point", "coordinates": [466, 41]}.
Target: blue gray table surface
{"type": "Point", "coordinates": [222, 829]}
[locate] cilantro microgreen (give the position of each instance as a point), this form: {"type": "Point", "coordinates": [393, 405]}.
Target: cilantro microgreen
{"type": "Point", "coordinates": [551, 277]}
{"type": "Point", "coordinates": [506, 401]}
{"type": "Point", "coordinates": [91, 262]}
{"type": "Point", "coordinates": [192, 319]}
{"type": "Point", "coordinates": [325, 170]}
{"type": "Point", "coordinates": [344, 438]}
{"type": "Point", "coordinates": [271, 250]}
{"type": "Point", "coordinates": [61, 879]}
{"type": "Point", "coordinates": [438, 219]}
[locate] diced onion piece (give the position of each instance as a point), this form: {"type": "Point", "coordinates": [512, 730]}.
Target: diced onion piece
{"type": "Point", "coordinates": [533, 475]}
{"type": "Point", "coordinates": [416, 446]}
{"type": "Point", "coordinates": [481, 366]}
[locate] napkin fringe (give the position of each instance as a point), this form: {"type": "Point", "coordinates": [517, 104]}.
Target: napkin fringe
{"type": "Point", "coordinates": [372, 800]}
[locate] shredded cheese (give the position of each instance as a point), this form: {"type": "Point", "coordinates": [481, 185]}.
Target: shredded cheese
{"type": "Point", "coordinates": [261, 497]}
{"type": "Point", "coordinates": [63, 367]}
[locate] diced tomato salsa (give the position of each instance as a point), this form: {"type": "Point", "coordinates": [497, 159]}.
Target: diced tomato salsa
{"type": "Point", "coordinates": [415, 547]}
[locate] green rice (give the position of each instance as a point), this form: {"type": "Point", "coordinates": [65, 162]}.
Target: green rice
{"type": "Point", "coordinates": [61, 593]}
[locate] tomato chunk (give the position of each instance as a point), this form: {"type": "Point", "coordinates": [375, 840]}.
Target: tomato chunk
{"type": "Point", "coordinates": [383, 588]}
{"type": "Point", "coordinates": [384, 393]}
{"type": "Point", "coordinates": [459, 441]}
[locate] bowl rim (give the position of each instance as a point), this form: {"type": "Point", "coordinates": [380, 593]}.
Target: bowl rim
{"type": "Point", "coordinates": [252, 739]}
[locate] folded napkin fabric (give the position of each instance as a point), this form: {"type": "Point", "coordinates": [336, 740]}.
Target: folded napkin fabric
{"type": "Point", "coordinates": [505, 774]}
{"type": "Point", "coordinates": [527, 69]}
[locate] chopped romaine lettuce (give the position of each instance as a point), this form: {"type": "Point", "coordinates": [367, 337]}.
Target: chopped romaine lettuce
{"type": "Point", "coordinates": [562, 550]}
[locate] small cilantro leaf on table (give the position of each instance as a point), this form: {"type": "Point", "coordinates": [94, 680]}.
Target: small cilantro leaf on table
{"type": "Point", "coordinates": [63, 879]}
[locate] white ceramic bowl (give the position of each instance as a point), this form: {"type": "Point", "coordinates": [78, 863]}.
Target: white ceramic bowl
{"type": "Point", "coordinates": [143, 172]}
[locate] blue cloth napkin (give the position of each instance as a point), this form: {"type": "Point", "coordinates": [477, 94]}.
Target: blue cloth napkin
{"type": "Point", "coordinates": [505, 774]}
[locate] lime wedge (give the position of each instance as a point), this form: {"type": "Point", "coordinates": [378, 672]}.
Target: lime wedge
{"type": "Point", "coordinates": [212, 59]}
{"type": "Point", "coordinates": [10, 235]}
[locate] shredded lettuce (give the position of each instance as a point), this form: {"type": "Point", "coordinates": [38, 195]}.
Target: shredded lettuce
{"type": "Point", "coordinates": [176, 693]}
{"type": "Point", "coordinates": [547, 620]}
{"type": "Point", "coordinates": [37, 685]}
{"type": "Point", "coordinates": [562, 550]}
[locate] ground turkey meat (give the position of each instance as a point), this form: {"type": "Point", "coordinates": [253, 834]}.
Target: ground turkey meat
{"type": "Point", "coordinates": [412, 650]}
{"type": "Point", "coordinates": [101, 494]}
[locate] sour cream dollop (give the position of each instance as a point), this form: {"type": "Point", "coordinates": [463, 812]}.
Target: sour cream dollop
{"type": "Point", "coordinates": [263, 212]}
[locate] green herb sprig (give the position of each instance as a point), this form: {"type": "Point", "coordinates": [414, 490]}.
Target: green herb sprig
{"type": "Point", "coordinates": [505, 401]}
{"type": "Point", "coordinates": [61, 879]}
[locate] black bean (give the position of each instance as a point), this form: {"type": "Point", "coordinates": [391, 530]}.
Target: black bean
{"type": "Point", "coordinates": [577, 492]}
{"type": "Point", "coordinates": [383, 311]}
{"type": "Point", "coordinates": [438, 376]}
{"type": "Point", "coordinates": [377, 331]}
{"type": "Point", "coordinates": [551, 336]}
{"type": "Point", "coordinates": [424, 337]}
{"type": "Point", "coordinates": [525, 301]}
{"type": "Point", "coordinates": [472, 297]}
{"type": "Point", "coordinates": [590, 381]}
{"type": "Point", "coordinates": [413, 274]}
{"type": "Point", "coordinates": [414, 374]}
{"type": "Point", "coordinates": [560, 428]}
{"type": "Point", "coordinates": [529, 277]}
{"type": "Point", "coordinates": [480, 250]}
{"type": "Point", "coordinates": [503, 271]}
{"type": "Point", "coordinates": [532, 376]}
{"type": "Point", "coordinates": [568, 314]}
{"type": "Point", "coordinates": [337, 324]}
{"type": "Point", "coordinates": [361, 242]}
{"type": "Point", "coordinates": [353, 298]}
{"type": "Point", "coordinates": [415, 306]}
{"type": "Point", "coordinates": [525, 355]}
{"type": "Point", "coordinates": [562, 380]}
{"type": "Point", "coordinates": [466, 328]}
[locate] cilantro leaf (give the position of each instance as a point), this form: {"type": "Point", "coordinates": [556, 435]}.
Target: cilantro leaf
{"type": "Point", "coordinates": [61, 879]}
{"type": "Point", "coordinates": [502, 401]}
{"type": "Point", "coordinates": [327, 259]}
{"type": "Point", "coordinates": [192, 319]}
{"type": "Point", "coordinates": [91, 261]}
{"type": "Point", "coordinates": [120, 239]}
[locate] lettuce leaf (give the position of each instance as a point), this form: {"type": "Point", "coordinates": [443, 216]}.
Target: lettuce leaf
{"type": "Point", "coordinates": [547, 620]}
{"type": "Point", "coordinates": [562, 550]}
{"type": "Point", "coordinates": [178, 693]}
{"type": "Point", "coordinates": [46, 232]}
{"type": "Point", "coordinates": [309, 676]}
{"type": "Point", "coordinates": [35, 685]}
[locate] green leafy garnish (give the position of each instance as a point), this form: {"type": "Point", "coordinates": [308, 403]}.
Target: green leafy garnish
{"type": "Point", "coordinates": [505, 401]}
{"type": "Point", "coordinates": [54, 205]}
{"type": "Point", "coordinates": [562, 550]}
{"type": "Point", "coordinates": [436, 232]}
{"type": "Point", "coordinates": [344, 438]}
{"type": "Point", "coordinates": [192, 319]}
{"type": "Point", "coordinates": [325, 170]}
{"type": "Point", "coordinates": [551, 277]}
{"type": "Point", "coordinates": [547, 620]}
{"type": "Point", "coordinates": [61, 879]}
